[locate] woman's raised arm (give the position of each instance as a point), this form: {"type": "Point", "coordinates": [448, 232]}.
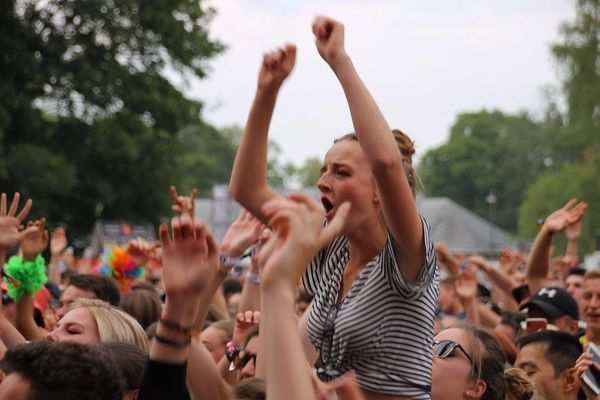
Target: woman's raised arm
{"type": "Point", "coordinates": [248, 184]}
{"type": "Point", "coordinates": [380, 148]}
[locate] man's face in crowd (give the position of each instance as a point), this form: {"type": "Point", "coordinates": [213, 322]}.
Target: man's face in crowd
{"type": "Point", "coordinates": [574, 286]}
{"type": "Point", "coordinates": [591, 302]}
{"type": "Point", "coordinates": [531, 359]}
{"type": "Point", "coordinates": [70, 294]}
{"type": "Point", "coordinates": [564, 323]}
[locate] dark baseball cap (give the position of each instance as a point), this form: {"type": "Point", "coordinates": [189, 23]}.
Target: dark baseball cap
{"type": "Point", "coordinates": [555, 302]}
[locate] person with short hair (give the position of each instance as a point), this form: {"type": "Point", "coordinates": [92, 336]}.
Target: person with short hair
{"type": "Point", "coordinates": [557, 306]}
{"type": "Point", "coordinates": [130, 359]}
{"type": "Point", "coordinates": [57, 371]}
{"type": "Point", "coordinates": [590, 298]}
{"type": "Point", "coordinates": [549, 358]}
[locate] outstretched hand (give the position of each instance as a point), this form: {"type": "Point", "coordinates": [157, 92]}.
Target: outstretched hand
{"type": "Point", "coordinates": [190, 260]}
{"type": "Point", "coordinates": [34, 242]}
{"type": "Point", "coordinates": [58, 241]}
{"type": "Point", "coordinates": [276, 67]}
{"type": "Point", "coordinates": [244, 232]}
{"type": "Point", "coordinates": [329, 35]}
{"type": "Point", "coordinates": [11, 231]}
{"type": "Point", "coordinates": [466, 285]}
{"type": "Point", "coordinates": [571, 213]}
{"type": "Point", "coordinates": [183, 204]}
{"type": "Point", "coordinates": [298, 233]}
{"type": "Point", "coordinates": [141, 251]}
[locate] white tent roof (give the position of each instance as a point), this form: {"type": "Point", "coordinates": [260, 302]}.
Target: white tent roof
{"type": "Point", "coordinates": [460, 229]}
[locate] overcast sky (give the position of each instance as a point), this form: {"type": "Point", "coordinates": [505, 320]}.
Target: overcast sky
{"type": "Point", "coordinates": [423, 61]}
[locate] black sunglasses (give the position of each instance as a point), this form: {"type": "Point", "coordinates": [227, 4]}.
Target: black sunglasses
{"type": "Point", "coordinates": [328, 332]}
{"type": "Point", "coordinates": [444, 348]}
{"type": "Point", "coordinates": [244, 358]}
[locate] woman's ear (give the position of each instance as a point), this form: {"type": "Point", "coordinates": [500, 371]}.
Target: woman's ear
{"type": "Point", "coordinates": [476, 391]}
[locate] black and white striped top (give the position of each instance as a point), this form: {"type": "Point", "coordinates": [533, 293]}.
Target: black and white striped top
{"type": "Point", "coordinates": [383, 328]}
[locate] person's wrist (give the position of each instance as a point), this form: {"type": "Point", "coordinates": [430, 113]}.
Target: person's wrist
{"type": "Point", "coordinates": [179, 311]}
{"type": "Point", "coordinates": [545, 230]}
{"type": "Point", "coordinates": [29, 257]}
{"type": "Point", "coordinates": [271, 89]}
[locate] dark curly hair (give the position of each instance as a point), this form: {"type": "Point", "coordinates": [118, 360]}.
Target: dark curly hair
{"type": "Point", "coordinates": [58, 371]}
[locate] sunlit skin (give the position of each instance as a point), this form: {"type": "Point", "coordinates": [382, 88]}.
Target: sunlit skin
{"type": "Point", "coordinates": [77, 326]}
{"type": "Point", "coordinates": [248, 370]}
{"type": "Point", "coordinates": [214, 340]}
{"type": "Point", "coordinates": [69, 295]}
{"type": "Point", "coordinates": [451, 376]}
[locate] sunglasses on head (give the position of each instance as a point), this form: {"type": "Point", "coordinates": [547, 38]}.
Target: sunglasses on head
{"type": "Point", "coordinates": [243, 358]}
{"type": "Point", "coordinates": [444, 348]}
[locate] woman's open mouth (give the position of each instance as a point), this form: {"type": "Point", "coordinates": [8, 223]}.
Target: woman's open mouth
{"type": "Point", "coordinates": [329, 207]}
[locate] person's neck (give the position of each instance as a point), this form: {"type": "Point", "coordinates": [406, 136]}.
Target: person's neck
{"type": "Point", "coordinates": [366, 243]}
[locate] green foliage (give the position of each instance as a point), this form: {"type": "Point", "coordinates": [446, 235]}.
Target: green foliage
{"type": "Point", "coordinates": [309, 172]}
{"type": "Point", "coordinates": [89, 126]}
{"type": "Point", "coordinates": [486, 152]}
{"type": "Point", "coordinates": [577, 55]}
{"type": "Point", "coordinates": [578, 143]}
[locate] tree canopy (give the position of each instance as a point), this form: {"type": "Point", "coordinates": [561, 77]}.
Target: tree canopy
{"type": "Point", "coordinates": [90, 127]}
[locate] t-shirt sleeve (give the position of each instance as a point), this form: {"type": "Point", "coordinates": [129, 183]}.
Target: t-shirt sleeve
{"type": "Point", "coordinates": [427, 274]}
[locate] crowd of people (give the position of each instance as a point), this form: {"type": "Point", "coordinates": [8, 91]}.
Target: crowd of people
{"type": "Point", "coordinates": [348, 299]}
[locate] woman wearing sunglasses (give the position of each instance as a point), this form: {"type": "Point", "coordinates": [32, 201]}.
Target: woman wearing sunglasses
{"type": "Point", "coordinates": [468, 363]}
{"type": "Point", "coordinates": [376, 284]}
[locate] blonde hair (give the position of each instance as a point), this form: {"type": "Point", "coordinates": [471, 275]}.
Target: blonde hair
{"type": "Point", "coordinates": [114, 325]}
{"type": "Point", "coordinates": [591, 274]}
{"type": "Point", "coordinates": [407, 149]}
{"type": "Point", "coordinates": [518, 385]}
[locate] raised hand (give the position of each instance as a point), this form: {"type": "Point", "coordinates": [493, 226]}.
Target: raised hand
{"type": "Point", "coordinates": [244, 231]}
{"type": "Point", "coordinates": [190, 259]}
{"type": "Point", "coordinates": [10, 222]}
{"type": "Point", "coordinates": [183, 204]}
{"type": "Point", "coordinates": [329, 35]}
{"type": "Point", "coordinates": [243, 322]}
{"type": "Point", "coordinates": [298, 233]}
{"type": "Point", "coordinates": [570, 214]}
{"type": "Point", "coordinates": [480, 263]}
{"type": "Point", "coordinates": [276, 67]}
{"type": "Point", "coordinates": [141, 251]}
{"type": "Point", "coordinates": [447, 259]}
{"type": "Point", "coordinates": [58, 241]}
{"type": "Point", "coordinates": [584, 362]}
{"type": "Point", "coordinates": [466, 285]}
{"type": "Point", "coordinates": [35, 241]}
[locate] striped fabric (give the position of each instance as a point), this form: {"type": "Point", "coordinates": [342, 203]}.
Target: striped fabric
{"type": "Point", "coordinates": [383, 328]}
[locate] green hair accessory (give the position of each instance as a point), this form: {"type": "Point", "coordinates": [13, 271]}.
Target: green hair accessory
{"type": "Point", "coordinates": [24, 277]}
